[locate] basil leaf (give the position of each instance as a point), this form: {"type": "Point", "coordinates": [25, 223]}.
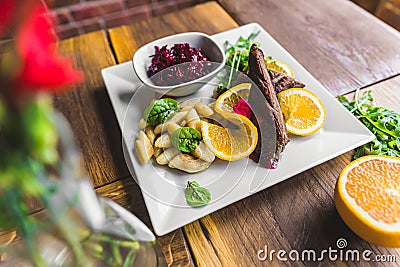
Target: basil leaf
{"type": "Point", "coordinates": [159, 111]}
{"type": "Point", "coordinates": [196, 195]}
{"type": "Point", "coordinates": [185, 139]}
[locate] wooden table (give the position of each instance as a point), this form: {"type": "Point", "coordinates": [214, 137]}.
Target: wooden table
{"type": "Point", "coordinates": [344, 47]}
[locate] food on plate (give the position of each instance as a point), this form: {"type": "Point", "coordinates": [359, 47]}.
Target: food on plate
{"type": "Point", "coordinates": [167, 155]}
{"type": "Point", "coordinates": [272, 77]}
{"type": "Point", "coordinates": [178, 118]}
{"type": "Point", "coordinates": [274, 65]}
{"type": "Point", "coordinates": [367, 198]}
{"type": "Point", "coordinates": [196, 195]}
{"type": "Point", "coordinates": [168, 60]}
{"type": "Point", "coordinates": [259, 74]}
{"type": "Point", "coordinates": [188, 163]}
{"type": "Point", "coordinates": [237, 55]}
{"type": "Point", "coordinates": [283, 82]}
{"type": "Point", "coordinates": [193, 119]}
{"type": "Point", "coordinates": [164, 140]}
{"type": "Point", "coordinates": [231, 143]}
{"type": "Point", "coordinates": [186, 139]}
{"type": "Point", "coordinates": [203, 152]}
{"type": "Point", "coordinates": [282, 76]}
{"type": "Point", "coordinates": [144, 148]}
{"type": "Point", "coordinates": [383, 123]}
{"type": "Point", "coordinates": [229, 128]}
{"type": "Point", "coordinates": [159, 111]}
{"type": "Point", "coordinates": [226, 101]}
{"type": "Point", "coordinates": [203, 110]}
{"type": "Point", "coordinates": [181, 135]}
{"type": "Point", "coordinates": [303, 111]}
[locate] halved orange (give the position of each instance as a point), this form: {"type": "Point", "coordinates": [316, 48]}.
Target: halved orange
{"type": "Point", "coordinates": [303, 111]}
{"type": "Point", "coordinates": [367, 197]}
{"type": "Point", "coordinates": [276, 65]}
{"type": "Point", "coordinates": [233, 143]}
{"type": "Point", "coordinates": [227, 100]}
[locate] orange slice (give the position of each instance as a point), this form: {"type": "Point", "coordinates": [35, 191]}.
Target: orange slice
{"type": "Point", "coordinates": [367, 197]}
{"type": "Point", "coordinates": [233, 143]}
{"type": "Point", "coordinates": [276, 65]}
{"type": "Point", "coordinates": [227, 100]}
{"type": "Point", "coordinates": [303, 111]}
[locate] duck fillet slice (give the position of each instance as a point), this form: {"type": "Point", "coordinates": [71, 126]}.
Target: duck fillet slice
{"type": "Point", "coordinates": [259, 74]}
{"type": "Point", "coordinates": [282, 82]}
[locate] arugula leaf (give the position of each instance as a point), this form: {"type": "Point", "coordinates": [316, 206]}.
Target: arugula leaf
{"type": "Point", "coordinates": [159, 111]}
{"type": "Point", "coordinates": [196, 195]}
{"type": "Point", "coordinates": [185, 139]}
{"type": "Point", "coordinates": [383, 123]}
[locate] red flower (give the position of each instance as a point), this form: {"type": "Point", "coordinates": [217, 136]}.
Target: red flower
{"type": "Point", "coordinates": [43, 69]}
{"type": "Point", "coordinates": [7, 9]}
{"type": "Point", "coordinates": [242, 108]}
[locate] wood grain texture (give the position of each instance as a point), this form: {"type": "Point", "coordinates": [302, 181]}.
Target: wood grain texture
{"type": "Point", "coordinates": [343, 46]}
{"type": "Point", "coordinates": [89, 111]}
{"type": "Point", "coordinates": [127, 39]}
{"type": "Point", "coordinates": [387, 92]}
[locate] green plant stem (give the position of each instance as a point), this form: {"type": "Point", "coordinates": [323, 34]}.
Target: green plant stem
{"type": "Point", "coordinates": [129, 259]}
{"type": "Point", "coordinates": [364, 115]}
{"type": "Point", "coordinates": [116, 253]}
{"type": "Point", "coordinates": [24, 225]}
{"type": "Point", "coordinates": [228, 85]}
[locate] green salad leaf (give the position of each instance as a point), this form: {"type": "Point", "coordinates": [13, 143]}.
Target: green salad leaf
{"type": "Point", "coordinates": [185, 139]}
{"type": "Point", "coordinates": [159, 111]}
{"type": "Point", "coordinates": [383, 123]}
{"type": "Point", "coordinates": [196, 195]}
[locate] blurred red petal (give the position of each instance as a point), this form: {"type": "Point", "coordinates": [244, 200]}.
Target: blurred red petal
{"type": "Point", "coordinates": [7, 9]}
{"type": "Point", "coordinates": [43, 69]}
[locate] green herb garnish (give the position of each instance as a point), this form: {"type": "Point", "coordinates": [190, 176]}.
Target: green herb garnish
{"type": "Point", "coordinates": [237, 57]}
{"type": "Point", "coordinates": [185, 139]}
{"type": "Point", "coordinates": [383, 123]}
{"type": "Point", "coordinates": [196, 195]}
{"type": "Point", "coordinates": [159, 111]}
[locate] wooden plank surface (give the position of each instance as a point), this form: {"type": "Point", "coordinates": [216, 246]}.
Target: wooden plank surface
{"type": "Point", "coordinates": [89, 111]}
{"type": "Point", "coordinates": [297, 214]}
{"type": "Point", "coordinates": [209, 18]}
{"type": "Point", "coordinates": [343, 46]}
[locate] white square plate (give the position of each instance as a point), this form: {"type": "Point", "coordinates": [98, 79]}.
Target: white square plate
{"type": "Point", "coordinates": [228, 182]}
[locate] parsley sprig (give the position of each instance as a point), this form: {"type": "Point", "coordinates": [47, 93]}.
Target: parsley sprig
{"type": "Point", "coordinates": [382, 122]}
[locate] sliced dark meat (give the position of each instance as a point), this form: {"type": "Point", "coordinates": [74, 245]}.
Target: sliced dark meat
{"type": "Point", "coordinates": [259, 74]}
{"type": "Point", "coordinates": [282, 81]}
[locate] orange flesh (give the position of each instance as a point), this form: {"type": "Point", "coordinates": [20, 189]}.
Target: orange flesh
{"type": "Point", "coordinates": [228, 141]}
{"type": "Point", "coordinates": [299, 111]}
{"type": "Point", "coordinates": [375, 187]}
{"type": "Point", "coordinates": [273, 66]}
